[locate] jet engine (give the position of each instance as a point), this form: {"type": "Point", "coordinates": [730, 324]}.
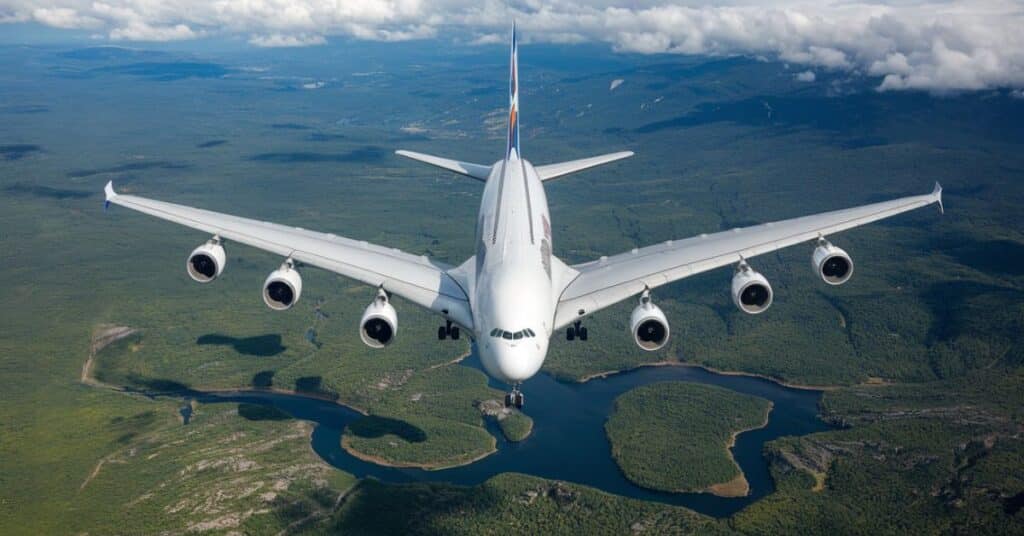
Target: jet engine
{"type": "Point", "coordinates": [833, 265]}
{"type": "Point", "coordinates": [206, 262]}
{"type": "Point", "coordinates": [379, 324]}
{"type": "Point", "coordinates": [283, 287]}
{"type": "Point", "coordinates": [648, 324]}
{"type": "Point", "coordinates": [750, 290]}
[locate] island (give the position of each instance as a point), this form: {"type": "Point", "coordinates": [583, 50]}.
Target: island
{"type": "Point", "coordinates": [676, 436]}
{"type": "Point", "coordinates": [422, 442]}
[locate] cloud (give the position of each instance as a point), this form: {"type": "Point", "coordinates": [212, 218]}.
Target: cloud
{"type": "Point", "coordinates": [62, 17]}
{"type": "Point", "coordinates": [140, 31]}
{"type": "Point", "coordinates": [806, 76]}
{"type": "Point", "coordinates": [283, 40]}
{"type": "Point", "coordinates": [935, 45]}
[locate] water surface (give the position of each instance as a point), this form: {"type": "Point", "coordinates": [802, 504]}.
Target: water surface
{"type": "Point", "coordinates": [568, 441]}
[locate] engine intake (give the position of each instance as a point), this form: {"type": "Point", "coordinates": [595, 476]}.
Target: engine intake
{"type": "Point", "coordinates": [206, 262]}
{"type": "Point", "coordinates": [750, 290]}
{"type": "Point", "coordinates": [833, 265]}
{"type": "Point", "coordinates": [649, 325]}
{"type": "Point", "coordinates": [379, 324]}
{"type": "Point", "coordinates": [283, 287]}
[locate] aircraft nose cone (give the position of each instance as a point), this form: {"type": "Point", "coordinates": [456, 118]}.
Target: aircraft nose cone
{"type": "Point", "coordinates": [516, 363]}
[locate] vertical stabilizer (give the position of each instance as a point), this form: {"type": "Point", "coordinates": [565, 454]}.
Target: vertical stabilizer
{"type": "Point", "coordinates": [513, 107]}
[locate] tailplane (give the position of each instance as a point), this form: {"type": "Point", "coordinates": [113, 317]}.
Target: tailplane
{"type": "Point", "coordinates": [561, 169]}
{"type": "Point", "coordinates": [476, 171]}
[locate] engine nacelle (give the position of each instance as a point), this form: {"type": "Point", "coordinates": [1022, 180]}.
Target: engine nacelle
{"type": "Point", "coordinates": [833, 265]}
{"type": "Point", "coordinates": [649, 325]}
{"type": "Point", "coordinates": [283, 287]}
{"type": "Point", "coordinates": [750, 290]}
{"type": "Point", "coordinates": [206, 262]}
{"type": "Point", "coordinates": [379, 324]}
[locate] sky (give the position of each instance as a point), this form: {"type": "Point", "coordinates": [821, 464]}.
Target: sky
{"type": "Point", "coordinates": [933, 45]}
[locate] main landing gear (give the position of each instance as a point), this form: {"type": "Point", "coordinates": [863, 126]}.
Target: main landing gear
{"type": "Point", "coordinates": [515, 398]}
{"type": "Point", "coordinates": [448, 330]}
{"type": "Point", "coordinates": [576, 331]}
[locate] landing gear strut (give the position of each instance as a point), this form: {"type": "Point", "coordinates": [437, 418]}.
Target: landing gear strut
{"type": "Point", "coordinates": [448, 330]}
{"type": "Point", "coordinates": [576, 331]}
{"type": "Point", "coordinates": [515, 398]}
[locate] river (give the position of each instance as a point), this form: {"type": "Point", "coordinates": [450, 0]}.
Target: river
{"type": "Point", "coordinates": [568, 442]}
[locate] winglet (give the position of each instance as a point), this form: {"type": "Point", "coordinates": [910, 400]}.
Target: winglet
{"type": "Point", "coordinates": [937, 194]}
{"type": "Point", "coordinates": [110, 194]}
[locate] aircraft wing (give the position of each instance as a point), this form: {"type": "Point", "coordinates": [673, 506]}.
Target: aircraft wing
{"type": "Point", "coordinates": [609, 280]}
{"type": "Point", "coordinates": [418, 279]}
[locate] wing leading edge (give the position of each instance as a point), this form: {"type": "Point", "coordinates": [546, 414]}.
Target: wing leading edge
{"type": "Point", "coordinates": [416, 278]}
{"type": "Point", "coordinates": [609, 280]}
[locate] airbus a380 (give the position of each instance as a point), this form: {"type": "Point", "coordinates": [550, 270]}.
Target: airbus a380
{"type": "Point", "coordinates": [513, 295]}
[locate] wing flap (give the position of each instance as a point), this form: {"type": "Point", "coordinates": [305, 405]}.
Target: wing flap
{"type": "Point", "coordinates": [611, 279]}
{"type": "Point", "coordinates": [415, 278]}
{"type": "Point", "coordinates": [476, 171]}
{"type": "Point", "coordinates": [561, 169]}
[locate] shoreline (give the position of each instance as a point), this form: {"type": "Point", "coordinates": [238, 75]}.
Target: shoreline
{"type": "Point", "coordinates": [726, 487]}
{"type": "Point", "coordinates": [412, 465]}
{"type": "Point", "coordinates": [802, 387]}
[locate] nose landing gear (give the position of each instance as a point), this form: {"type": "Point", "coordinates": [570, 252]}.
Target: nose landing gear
{"type": "Point", "coordinates": [514, 398]}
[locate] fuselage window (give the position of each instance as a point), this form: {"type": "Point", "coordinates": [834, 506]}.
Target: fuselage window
{"type": "Point", "coordinates": [518, 335]}
{"type": "Point", "coordinates": [506, 335]}
{"type": "Point", "coordinates": [495, 332]}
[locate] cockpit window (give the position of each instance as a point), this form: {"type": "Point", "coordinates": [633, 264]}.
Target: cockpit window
{"type": "Point", "coordinates": [500, 333]}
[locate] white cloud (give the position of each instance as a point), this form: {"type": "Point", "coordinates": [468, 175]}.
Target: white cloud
{"type": "Point", "coordinates": [140, 31]}
{"type": "Point", "coordinates": [62, 17]}
{"type": "Point", "coordinates": [937, 45]}
{"type": "Point", "coordinates": [282, 40]}
{"type": "Point", "coordinates": [806, 76]}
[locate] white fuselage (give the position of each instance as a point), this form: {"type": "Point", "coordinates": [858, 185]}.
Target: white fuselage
{"type": "Point", "coordinates": [513, 302]}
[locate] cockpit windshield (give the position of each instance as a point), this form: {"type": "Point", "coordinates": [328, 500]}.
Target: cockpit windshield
{"type": "Point", "coordinates": [512, 335]}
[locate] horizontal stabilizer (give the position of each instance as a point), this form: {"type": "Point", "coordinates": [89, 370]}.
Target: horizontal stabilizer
{"type": "Point", "coordinates": [475, 171]}
{"type": "Point", "coordinates": [553, 171]}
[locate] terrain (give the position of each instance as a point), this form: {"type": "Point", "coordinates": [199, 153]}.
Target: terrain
{"type": "Point", "coordinates": [675, 436]}
{"type": "Point", "coordinates": [922, 349]}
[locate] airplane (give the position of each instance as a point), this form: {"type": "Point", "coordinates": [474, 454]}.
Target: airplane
{"type": "Point", "coordinates": [514, 294]}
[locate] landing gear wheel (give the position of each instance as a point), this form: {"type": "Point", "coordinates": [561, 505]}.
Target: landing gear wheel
{"type": "Point", "coordinates": [508, 400]}
{"type": "Point", "coordinates": [570, 334]}
{"type": "Point", "coordinates": [518, 399]}
{"type": "Point", "coordinates": [583, 334]}
{"type": "Point", "coordinates": [441, 333]}
{"type": "Point", "coordinates": [455, 333]}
